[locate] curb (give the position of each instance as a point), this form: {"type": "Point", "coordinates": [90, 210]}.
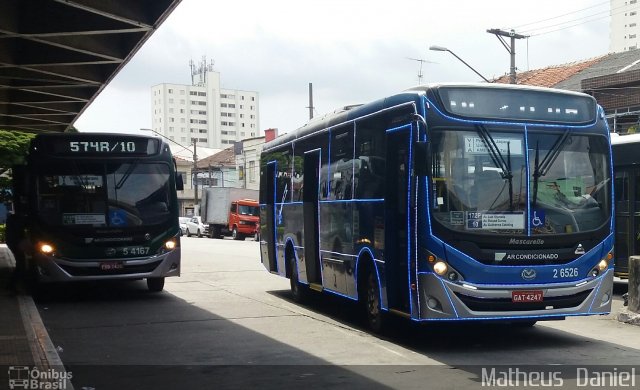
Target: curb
{"type": "Point", "coordinates": [45, 356]}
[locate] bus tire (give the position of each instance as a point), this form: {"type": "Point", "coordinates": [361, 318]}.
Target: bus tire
{"type": "Point", "coordinates": [155, 284]}
{"type": "Point", "coordinates": [372, 304]}
{"type": "Point", "coordinates": [299, 292]}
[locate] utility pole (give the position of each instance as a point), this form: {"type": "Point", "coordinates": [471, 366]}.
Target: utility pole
{"type": "Point", "coordinates": [510, 48]}
{"type": "Point", "coordinates": [195, 175]}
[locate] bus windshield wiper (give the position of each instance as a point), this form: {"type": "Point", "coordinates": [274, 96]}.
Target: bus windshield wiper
{"type": "Point", "coordinates": [126, 175]}
{"type": "Point", "coordinates": [498, 160]}
{"type": "Point", "coordinates": [541, 168]}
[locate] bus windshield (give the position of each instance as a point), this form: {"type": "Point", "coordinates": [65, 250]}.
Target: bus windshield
{"type": "Point", "coordinates": [482, 184]}
{"type": "Point", "coordinates": [104, 195]}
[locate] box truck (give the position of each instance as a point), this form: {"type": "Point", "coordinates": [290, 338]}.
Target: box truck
{"type": "Point", "coordinates": [230, 212]}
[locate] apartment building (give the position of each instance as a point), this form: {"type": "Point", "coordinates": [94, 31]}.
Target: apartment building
{"type": "Point", "coordinates": [625, 25]}
{"type": "Point", "coordinates": [203, 112]}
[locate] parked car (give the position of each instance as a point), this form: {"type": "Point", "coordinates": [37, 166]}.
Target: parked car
{"type": "Point", "coordinates": [183, 225]}
{"type": "Point", "coordinates": [195, 226]}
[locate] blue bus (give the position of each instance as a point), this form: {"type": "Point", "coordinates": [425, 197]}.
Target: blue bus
{"type": "Point", "coordinates": [626, 167]}
{"type": "Point", "coordinates": [96, 206]}
{"type": "Point", "coordinates": [447, 202]}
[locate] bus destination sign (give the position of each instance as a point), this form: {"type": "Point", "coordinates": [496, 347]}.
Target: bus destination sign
{"type": "Point", "coordinates": [124, 146]}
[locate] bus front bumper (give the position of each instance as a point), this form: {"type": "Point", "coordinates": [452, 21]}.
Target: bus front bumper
{"type": "Point", "coordinates": [55, 269]}
{"type": "Point", "coordinates": [441, 299]}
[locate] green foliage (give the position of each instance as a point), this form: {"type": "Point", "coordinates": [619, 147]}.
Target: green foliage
{"type": "Point", "coordinates": [2, 233]}
{"type": "Point", "coordinates": [14, 146]}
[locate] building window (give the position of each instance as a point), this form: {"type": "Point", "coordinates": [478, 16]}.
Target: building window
{"type": "Point", "coordinates": [633, 13]}
{"type": "Point", "coordinates": [632, 25]}
{"type": "Point", "coordinates": [202, 94]}
{"type": "Point", "coordinates": [252, 171]}
{"type": "Point", "coordinates": [171, 101]}
{"type": "Point", "coordinates": [170, 90]}
{"type": "Point", "coordinates": [193, 93]}
{"type": "Point", "coordinates": [253, 98]}
{"type": "Point", "coordinates": [631, 36]}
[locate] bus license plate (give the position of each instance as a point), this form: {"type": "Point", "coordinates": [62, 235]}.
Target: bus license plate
{"type": "Point", "coordinates": [111, 265]}
{"type": "Point", "coordinates": [526, 296]}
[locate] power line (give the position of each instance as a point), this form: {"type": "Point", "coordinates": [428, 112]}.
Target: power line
{"type": "Point", "coordinates": [580, 21]}
{"type": "Point", "coordinates": [559, 16]}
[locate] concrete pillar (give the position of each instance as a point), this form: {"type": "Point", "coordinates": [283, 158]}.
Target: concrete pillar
{"type": "Point", "coordinates": [634, 284]}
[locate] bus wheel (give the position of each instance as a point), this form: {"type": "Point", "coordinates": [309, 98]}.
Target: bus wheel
{"type": "Point", "coordinates": [372, 304]}
{"type": "Point", "coordinates": [155, 284]}
{"type": "Point", "coordinates": [299, 291]}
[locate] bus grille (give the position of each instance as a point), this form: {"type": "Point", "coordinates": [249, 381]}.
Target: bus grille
{"type": "Point", "coordinates": [505, 304]}
{"type": "Point", "coordinates": [96, 271]}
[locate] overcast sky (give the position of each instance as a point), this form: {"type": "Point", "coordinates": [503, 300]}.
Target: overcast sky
{"type": "Point", "coordinates": [352, 51]}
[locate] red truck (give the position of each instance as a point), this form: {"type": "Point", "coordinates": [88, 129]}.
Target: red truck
{"type": "Point", "coordinates": [230, 212]}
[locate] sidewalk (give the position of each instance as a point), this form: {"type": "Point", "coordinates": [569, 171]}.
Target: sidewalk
{"type": "Point", "coordinates": [24, 341]}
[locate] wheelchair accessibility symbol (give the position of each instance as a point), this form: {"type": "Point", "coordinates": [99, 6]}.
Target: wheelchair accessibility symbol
{"type": "Point", "coordinates": [117, 218]}
{"type": "Point", "coordinates": [538, 218]}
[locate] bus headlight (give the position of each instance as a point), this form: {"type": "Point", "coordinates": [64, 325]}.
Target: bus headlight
{"type": "Point", "coordinates": [171, 244]}
{"type": "Point", "coordinates": [440, 268]}
{"type": "Point", "coordinates": [46, 248]}
{"type": "Point", "coordinates": [602, 265]}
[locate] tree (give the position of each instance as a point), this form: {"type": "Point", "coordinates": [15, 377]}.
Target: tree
{"type": "Point", "coordinates": [14, 146]}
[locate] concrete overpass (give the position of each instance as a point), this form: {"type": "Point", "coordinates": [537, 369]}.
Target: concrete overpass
{"type": "Point", "coordinates": [56, 56]}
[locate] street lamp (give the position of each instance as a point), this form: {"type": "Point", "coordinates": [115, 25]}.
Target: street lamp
{"type": "Point", "coordinates": [441, 48]}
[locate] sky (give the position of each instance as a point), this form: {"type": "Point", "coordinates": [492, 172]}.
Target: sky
{"type": "Point", "coordinates": [352, 51]}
